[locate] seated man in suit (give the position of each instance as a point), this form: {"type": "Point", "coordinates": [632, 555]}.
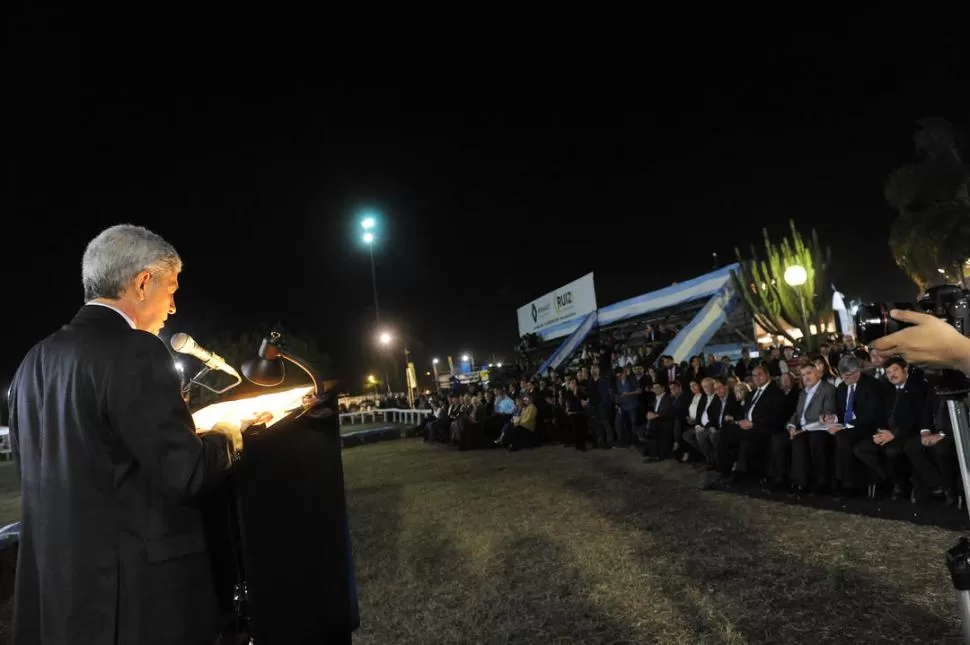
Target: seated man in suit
{"type": "Point", "coordinates": [861, 411]}
{"type": "Point", "coordinates": [680, 408]}
{"type": "Point", "coordinates": [701, 436]}
{"type": "Point", "coordinates": [659, 435]}
{"type": "Point", "coordinates": [724, 412]}
{"type": "Point", "coordinates": [747, 441]}
{"type": "Point", "coordinates": [933, 455]}
{"type": "Point", "coordinates": [910, 413]}
{"type": "Point", "coordinates": [809, 450]}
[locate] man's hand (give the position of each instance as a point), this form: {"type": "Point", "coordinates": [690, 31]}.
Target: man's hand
{"type": "Point", "coordinates": [793, 432]}
{"type": "Point", "coordinates": [745, 424]}
{"type": "Point", "coordinates": [930, 440]}
{"type": "Point", "coordinates": [232, 432]}
{"type": "Point", "coordinates": [931, 342]}
{"type": "Point", "coordinates": [651, 415]}
{"type": "Point", "coordinates": [883, 437]}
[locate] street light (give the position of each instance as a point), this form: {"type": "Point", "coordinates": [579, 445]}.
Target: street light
{"type": "Point", "coordinates": [796, 276]}
{"type": "Point", "coordinates": [385, 340]}
{"type": "Point", "coordinates": [369, 237]}
{"type": "Point", "coordinates": [434, 365]}
{"type": "Point", "coordinates": [373, 381]}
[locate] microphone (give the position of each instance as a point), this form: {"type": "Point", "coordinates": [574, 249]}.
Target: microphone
{"type": "Point", "coordinates": [185, 344]}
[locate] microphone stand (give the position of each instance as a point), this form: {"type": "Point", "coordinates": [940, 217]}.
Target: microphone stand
{"type": "Point", "coordinates": [196, 380]}
{"type": "Point", "coordinates": [958, 556]}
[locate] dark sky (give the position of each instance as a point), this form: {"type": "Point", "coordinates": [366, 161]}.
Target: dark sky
{"type": "Point", "coordinates": [495, 185]}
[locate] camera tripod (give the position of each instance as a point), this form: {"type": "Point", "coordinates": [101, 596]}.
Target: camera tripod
{"type": "Point", "coordinates": [958, 556]}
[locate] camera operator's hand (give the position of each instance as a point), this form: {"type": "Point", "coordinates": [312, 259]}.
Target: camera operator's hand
{"type": "Point", "coordinates": [931, 342]}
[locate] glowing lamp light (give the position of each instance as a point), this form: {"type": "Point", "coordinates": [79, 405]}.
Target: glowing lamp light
{"type": "Point", "coordinates": [368, 223]}
{"type": "Point", "coordinates": [434, 361]}
{"type": "Point", "coordinates": [368, 237]}
{"type": "Point", "coordinates": [385, 338]}
{"type": "Point", "coordinates": [796, 275]}
{"type": "Point", "coordinates": [464, 358]}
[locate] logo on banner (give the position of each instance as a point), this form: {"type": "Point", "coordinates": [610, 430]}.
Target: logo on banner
{"type": "Point", "coordinates": [535, 313]}
{"type": "Point", "coordinates": [563, 301]}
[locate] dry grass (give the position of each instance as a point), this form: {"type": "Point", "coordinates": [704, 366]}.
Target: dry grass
{"type": "Point", "coordinates": [552, 546]}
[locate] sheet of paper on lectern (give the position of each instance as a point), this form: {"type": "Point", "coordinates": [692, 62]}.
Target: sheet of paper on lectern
{"type": "Point", "coordinates": [278, 404]}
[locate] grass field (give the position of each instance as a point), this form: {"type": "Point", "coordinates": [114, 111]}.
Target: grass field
{"type": "Point", "coordinates": [553, 546]}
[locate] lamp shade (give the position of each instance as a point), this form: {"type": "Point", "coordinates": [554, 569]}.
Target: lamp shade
{"type": "Point", "coordinates": [265, 372]}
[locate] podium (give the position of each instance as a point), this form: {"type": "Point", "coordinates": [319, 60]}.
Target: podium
{"type": "Point", "coordinates": [278, 529]}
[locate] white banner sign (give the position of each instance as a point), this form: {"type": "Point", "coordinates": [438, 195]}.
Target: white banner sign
{"type": "Point", "coordinates": [558, 312]}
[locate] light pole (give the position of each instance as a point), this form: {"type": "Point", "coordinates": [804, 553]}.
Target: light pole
{"type": "Point", "coordinates": [385, 341]}
{"type": "Point", "coordinates": [407, 376]}
{"type": "Point", "coordinates": [434, 366]}
{"type": "Point", "coordinates": [373, 381]}
{"type": "Point", "coordinates": [369, 224]}
{"type": "Point", "coordinates": [795, 277]}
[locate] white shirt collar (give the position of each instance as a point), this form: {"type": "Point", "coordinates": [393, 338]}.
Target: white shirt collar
{"type": "Point", "coordinates": [120, 312]}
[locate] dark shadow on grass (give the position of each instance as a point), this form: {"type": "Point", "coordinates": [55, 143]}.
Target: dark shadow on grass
{"type": "Point", "coordinates": [375, 522]}
{"type": "Point", "coordinates": [923, 513]}
{"type": "Point", "coordinates": [531, 593]}
{"type": "Point", "coordinates": [755, 590]}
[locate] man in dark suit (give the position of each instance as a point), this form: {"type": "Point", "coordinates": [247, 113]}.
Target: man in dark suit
{"type": "Point", "coordinates": [934, 457]}
{"type": "Point", "coordinates": [659, 436]}
{"type": "Point", "coordinates": [746, 442]}
{"type": "Point", "coordinates": [112, 549]}
{"type": "Point", "coordinates": [668, 372]}
{"type": "Point", "coordinates": [911, 411]}
{"type": "Point", "coordinates": [861, 411]}
{"type": "Point", "coordinates": [680, 407]}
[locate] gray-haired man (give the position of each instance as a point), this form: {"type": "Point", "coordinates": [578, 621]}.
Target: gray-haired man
{"type": "Point", "coordinates": [112, 547]}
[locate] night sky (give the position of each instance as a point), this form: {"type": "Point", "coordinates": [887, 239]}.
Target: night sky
{"type": "Point", "coordinates": [494, 186]}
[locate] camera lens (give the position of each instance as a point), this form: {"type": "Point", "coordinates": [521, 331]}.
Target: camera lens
{"type": "Point", "coordinates": [872, 321]}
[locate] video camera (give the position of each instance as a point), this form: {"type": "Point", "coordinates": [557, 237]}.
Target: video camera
{"type": "Point", "coordinates": [949, 303]}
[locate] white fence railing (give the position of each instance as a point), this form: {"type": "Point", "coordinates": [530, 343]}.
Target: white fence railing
{"type": "Point", "coordinates": [389, 415]}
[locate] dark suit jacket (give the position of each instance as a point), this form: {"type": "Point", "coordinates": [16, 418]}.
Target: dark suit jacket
{"type": "Point", "coordinates": [769, 413]}
{"type": "Point", "coordinates": [112, 549]}
{"type": "Point", "coordinates": [663, 375]}
{"type": "Point", "coordinates": [913, 412]}
{"type": "Point", "coordinates": [869, 404]}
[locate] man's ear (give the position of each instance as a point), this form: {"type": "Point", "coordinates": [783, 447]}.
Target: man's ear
{"type": "Point", "coordinates": [142, 281]}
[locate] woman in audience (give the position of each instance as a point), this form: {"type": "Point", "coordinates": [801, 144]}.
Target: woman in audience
{"type": "Point", "coordinates": [741, 393]}
{"type": "Point", "coordinates": [695, 371]}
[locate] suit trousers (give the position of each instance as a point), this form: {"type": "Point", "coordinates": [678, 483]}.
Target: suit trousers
{"type": "Point", "coordinates": [846, 465]}
{"type": "Point", "coordinates": [703, 439]}
{"type": "Point", "coordinates": [745, 447]}
{"type": "Point", "coordinates": [810, 458]}
{"type": "Point", "coordinates": [936, 466]}
{"type": "Point", "coordinates": [887, 461]}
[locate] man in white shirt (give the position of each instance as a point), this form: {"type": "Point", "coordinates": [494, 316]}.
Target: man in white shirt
{"type": "Point", "coordinates": [810, 450]}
